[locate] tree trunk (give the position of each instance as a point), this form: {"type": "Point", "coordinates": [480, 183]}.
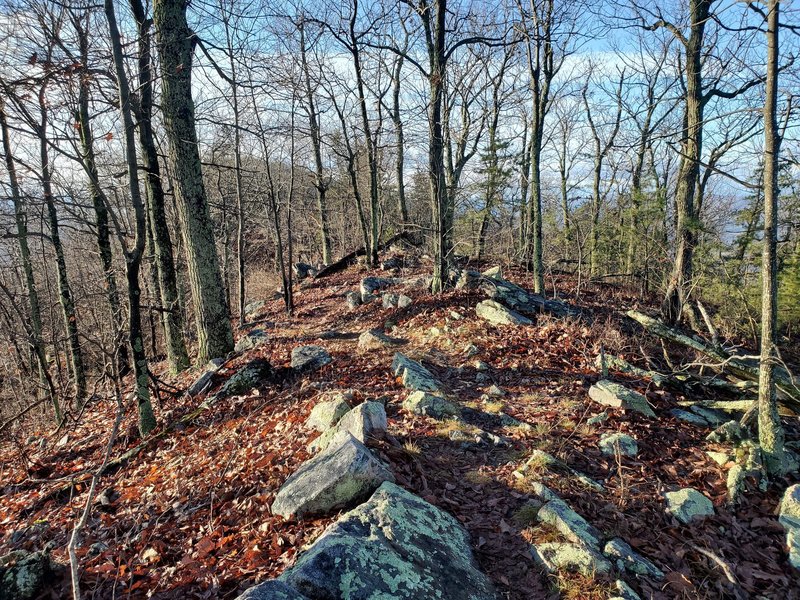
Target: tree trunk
{"type": "Point", "coordinates": [133, 257]}
{"type": "Point", "coordinates": [399, 146]}
{"type": "Point", "coordinates": [172, 313]}
{"type": "Point", "coordinates": [770, 430]}
{"type": "Point", "coordinates": [176, 46]}
{"type": "Point", "coordinates": [35, 314]}
{"type": "Point", "coordinates": [65, 293]}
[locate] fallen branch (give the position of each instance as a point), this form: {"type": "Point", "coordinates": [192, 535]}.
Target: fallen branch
{"type": "Point", "coordinates": [740, 367]}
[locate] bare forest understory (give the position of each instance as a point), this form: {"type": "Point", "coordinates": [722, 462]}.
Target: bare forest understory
{"type": "Point", "coordinates": [189, 515]}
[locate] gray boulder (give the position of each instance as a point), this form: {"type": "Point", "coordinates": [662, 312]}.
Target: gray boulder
{"type": "Point", "coordinates": [344, 473]}
{"type": "Point", "coordinates": [245, 379]}
{"type": "Point", "coordinates": [205, 379]}
{"type": "Point", "coordinates": [497, 314]}
{"type": "Point", "coordinates": [253, 339]}
{"type": "Point", "coordinates": [24, 575]}
{"type": "Point", "coordinates": [309, 358]}
{"type": "Point", "coordinates": [353, 300]}
{"type": "Point", "coordinates": [367, 420]}
{"type": "Point", "coordinates": [415, 377]}
{"type": "Point", "coordinates": [272, 589]}
{"type": "Point", "coordinates": [688, 504]}
{"type": "Point", "coordinates": [375, 339]}
{"type": "Point", "coordinates": [613, 394]}
{"type": "Point", "coordinates": [430, 405]}
{"type": "Point", "coordinates": [253, 307]}
{"type": "Point", "coordinates": [389, 300]}
{"type": "Point", "coordinates": [326, 414]}
{"type": "Point", "coordinates": [370, 285]}
{"type": "Point", "coordinates": [404, 301]}
{"type": "Point", "coordinates": [396, 546]}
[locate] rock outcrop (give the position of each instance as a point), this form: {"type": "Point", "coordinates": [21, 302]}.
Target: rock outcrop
{"type": "Point", "coordinates": [396, 545]}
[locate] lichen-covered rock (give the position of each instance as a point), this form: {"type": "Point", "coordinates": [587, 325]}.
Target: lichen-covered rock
{"type": "Point", "coordinates": [627, 559]}
{"type": "Point", "coordinates": [430, 405]}
{"type": "Point", "coordinates": [367, 420]}
{"type": "Point", "coordinates": [404, 301]}
{"type": "Point", "coordinates": [353, 300]}
{"type": "Point", "coordinates": [613, 443]}
{"type": "Point", "coordinates": [24, 575]}
{"type": "Point", "coordinates": [415, 377]}
{"type": "Point", "coordinates": [394, 546]}
{"type": "Point", "coordinates": [497, 314]}
{"type": "Point", "coordinates": [735, 483]}
{"type": "Point", "coordinates": [688, 504]}
{"type": "Point", "coordinates": [730, 432]}
{"type": "Point", "coordinates": [618, 396]}
{"type": "Point", "coordinates": [273, 589]}
{"type": "Point", "coordinates": [721, 458]}
{"type": "Point", "coordinates": [246, 378]}
{"type": "Point", "coordinates": [253, 307]}
{"type": "Point", "coordinates": [326, 414]}
{"type": "Point", "coordinates": [573, 558]}
{"type": "Point", "coordinates": [570, 524]}
{"type": "Point", "coordinates": [689, 417]}
{"type": "Point", "coordinates": [597, 419]}
{"type": "Point", "coordinates": [375, 339]}
{"type": "Point", "coordinates": [253, 339]}
{"type": "Point", "coordinates": [789, 517]}
{"type": "Point", "coordinates": [310, 358]}
{"type": "Point", "coordinates": [625, 592]}
{"type": "Point", "coordinates": [389, 300]}
{"type": "Point", "coordinates": [344, 473]}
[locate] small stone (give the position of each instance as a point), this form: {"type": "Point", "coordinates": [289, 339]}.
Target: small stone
{"type": "Point", "coordinates": [434, 332]}
{"type": "Point", "coordinates": [389, 300]}
{"type": "Point", "coordinates": [597, 419]}
{"type": "Point", "coordinates": [482, 378]}
{"type": "Point", "coordinates": [481, 366]}
{"type": "Point", "coordinates": [470, 350]}
{"type": "Point", "coordinates": [688, 417]}
{"type": "Point", "coordinates": [496, 391]}
{"type": "Point", "coordinates": [456, 316]}
{"type": "Point", "coordinates": [721, 458]}
{"type": "Point", "coordinates": [735, 483]}
{"type": "Point", "coordinates": [625, 592]}
{"type": "Point", "coordinates": [404, 301]}
{"type": "Point", "coordinates": [558, 556]}
{"type": "Point", "coordinates": [374, 339]}
{"type": "Point", "coordinates": [618, 396]}
{"type": "Point", "coordinates": [497, 314]}
{"type": "Point", "coordinates": [789, 517]}
{"type": "Point", "coordinates": [326, 414]}
{"type": "Point", "coordinates": [688, 504]}
{"type": "Point", "coordinates": [353, 300]}
{"type": "Point", "coordinates": [611, 443]}
{"type": "Point", "coordinates": [310, 358]}
{"type": "Point", "coordinates": [627, 559]}
{"type": "Point", "coordinates": [423, 403]}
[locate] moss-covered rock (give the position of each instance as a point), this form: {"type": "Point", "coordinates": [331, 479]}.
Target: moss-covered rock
{"type": "Point", "coordinates": [24, 575]}
{"type": "Point", "coordinates": [343, 474]}
{"type": "Point", "coordinates": [326, 414]}
{"type": "Point", "coordinates": [395, 546]}
{"type": "Point", "coordinates": [688, 504]}
{"type": "Point", "coordinates": [627, 559]}
{"type": "Point", "coordinates": [430, 405]}
{"type": "Point", "coordinates": [572, 558]}
{"type": "Point", "coordinates": [613, 394]}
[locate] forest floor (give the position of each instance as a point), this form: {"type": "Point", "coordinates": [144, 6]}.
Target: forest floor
{"type": "Point", "coordinates": [189, 516]}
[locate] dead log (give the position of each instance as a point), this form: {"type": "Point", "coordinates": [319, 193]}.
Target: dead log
{"type": "Point", "coordinates": [743, 368]}
{"type": "Point", "coordinates": [352, 257]}
{"type": "Point", "coordinates": [523, 301]}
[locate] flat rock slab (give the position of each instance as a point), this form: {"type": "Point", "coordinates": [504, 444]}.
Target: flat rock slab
{"type": "Point", "coordinates": [395, 545]}
{"type": "Point", "coordinates": [688, 504]}
{"type": "Point", "coordinates": [789, 517]}
{"type": "Point", "coordinates": [613, 394]}
{"type": "Point", "coordinates": [310, 358]}
{"type": "Point", "coordinates": [326, 414]}
{"type": "Point", "coordinates": [572, 558]}
{"type": "Point", "coordinates": [497, 314]}
{"type": "Point", "coordinates": [367, 420]}
{"type": "Point", "coordinates": [627, 559]}
{"type": "Point", "coordinates": [415, 377]}
{"type": "Point", "coordinates": [430, 405]}
{"type": "Point", "coordinates": [344, 473]}
{"type": "Point", "coordinates": [611, 443]}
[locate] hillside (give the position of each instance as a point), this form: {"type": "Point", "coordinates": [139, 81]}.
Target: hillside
{"type": "Point", "coordinates": [189, 515]}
